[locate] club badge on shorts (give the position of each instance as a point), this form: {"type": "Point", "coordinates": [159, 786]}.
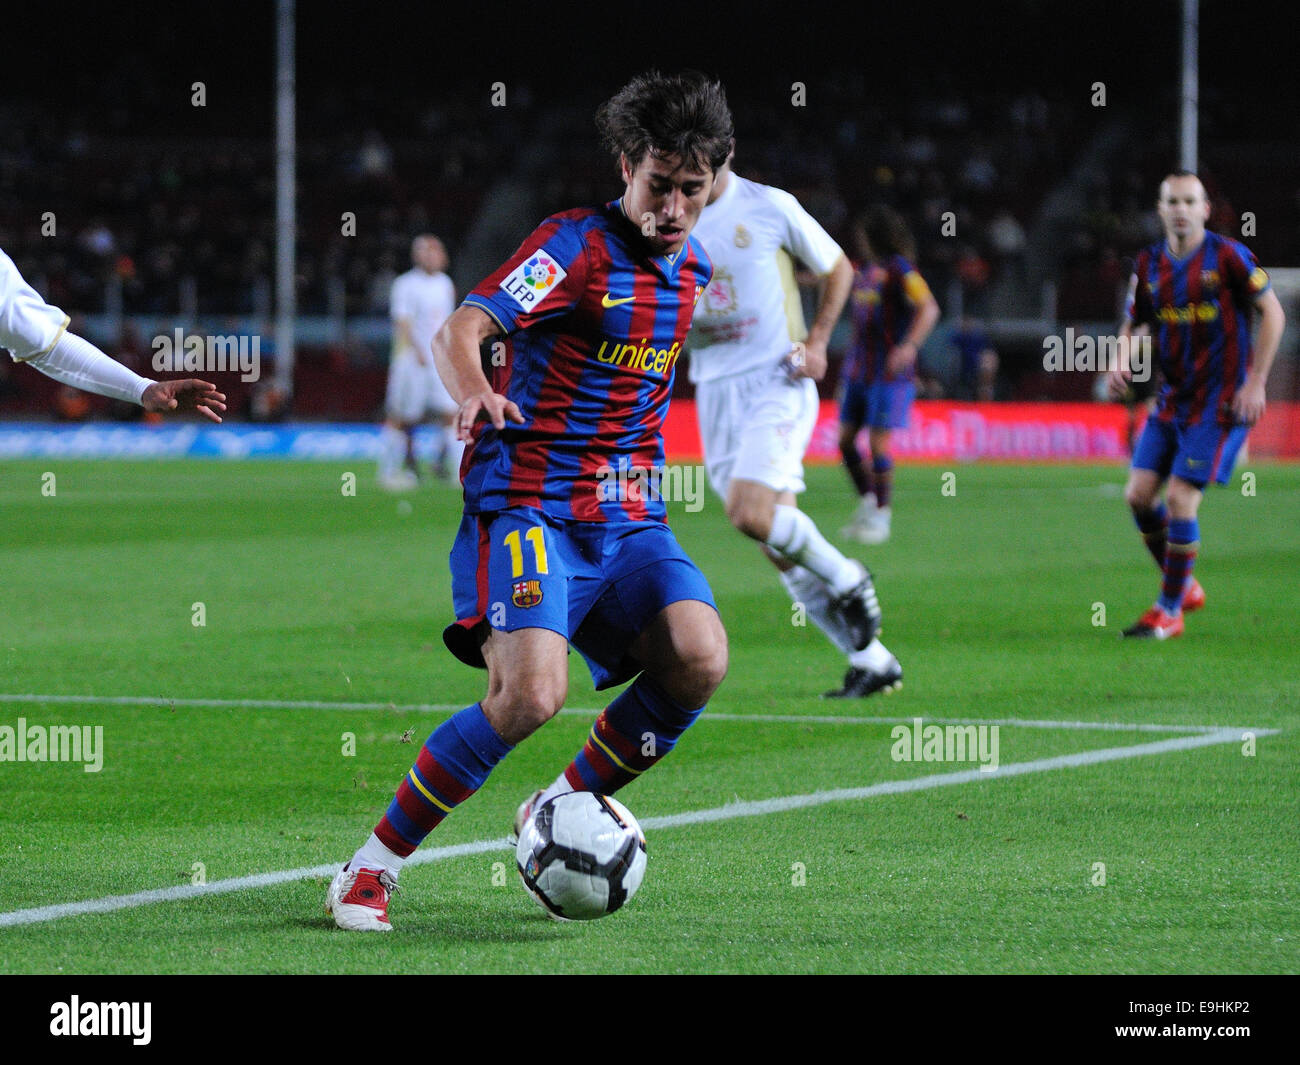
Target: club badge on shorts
{"type": "Point", "coordinates": [526, 593]}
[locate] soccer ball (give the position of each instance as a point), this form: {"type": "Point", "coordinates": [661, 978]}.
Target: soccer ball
{"type": "Point", "coordinates": [581, 855]}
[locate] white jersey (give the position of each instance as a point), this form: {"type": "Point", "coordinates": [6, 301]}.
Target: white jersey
{"type": "Point", "coordinates": [426, 301]}
{"type": "Point", "coordinates": [28, 325]}
{"type": "Point", "coordinates": [750, 314]}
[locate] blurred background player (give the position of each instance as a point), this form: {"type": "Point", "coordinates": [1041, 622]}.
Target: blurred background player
{"type": "Point", "coordinates": [977, 360]}
{"type": "Point", "coordinates": [893, 312]}
{"type": "Point", "coordinates": [754, 365]}
{"type": "Point", "coordinates": [1197, 290]}
{"type": "Point", "coordinates": [595, 305]}
{"type": "Point", "coordinates": [37, 333]}
{"type": "Point", "coordinates": [422, 299]}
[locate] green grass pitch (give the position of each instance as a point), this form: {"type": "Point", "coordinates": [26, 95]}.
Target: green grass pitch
{"type": "Point", "coordinates": [994, 596]}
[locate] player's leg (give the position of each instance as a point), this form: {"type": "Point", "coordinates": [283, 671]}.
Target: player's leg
{"type": "Point", "coordinates": [1150, 515]}
{"type": "Point", "coordinates": [403, 404]}
{"type": "Point", "coordinates": [754, 509]}
{"type": "Point", "coordinates": [447, 449]}
{"type": "Point", "coordinates": [510, 587]}
{"type": "Point", "coordinates": [654, 618]}
{"type": "Point", "coordinates": [871, 669]}
{"type": "Point", "coordinates": [889, 407]}
{"type": "Point", "coordinates": [1184, 499]}
{"type": "Point", "coordinates": [1153, 458]}
{"type": "Point", "coordinates": [853, 412]}
{"type": "Point", "coordinates": [882, 473]}
{"type": "Point", "coordinates": [761, 503]}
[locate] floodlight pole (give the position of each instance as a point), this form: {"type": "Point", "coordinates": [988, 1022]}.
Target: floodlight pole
{"type": "Point", "coordinates": [1191, 82]}
{"type": "Point", "coordinates": [285, 194]}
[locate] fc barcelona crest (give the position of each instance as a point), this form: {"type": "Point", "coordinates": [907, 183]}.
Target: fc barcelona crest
{"type": "Point", "coordinates": [526, 593]}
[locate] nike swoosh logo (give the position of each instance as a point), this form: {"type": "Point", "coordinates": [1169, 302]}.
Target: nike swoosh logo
{"type": "Point", "coordinates": [605, 301]}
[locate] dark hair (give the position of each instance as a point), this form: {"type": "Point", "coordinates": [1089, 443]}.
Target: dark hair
{"type": "Point", "coordinates": [886, 232]}
{"type": "Point", "coordinates": [668, 114]}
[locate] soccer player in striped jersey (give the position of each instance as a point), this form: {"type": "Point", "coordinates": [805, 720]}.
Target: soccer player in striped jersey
{"type": "Point", "coordinates": [36, 333]}
{"type": "Point", "coordinates": [893, 313]}
{"type": "Point", "coordinates": [560, 543]}
{"type": "Point", "coordinates": [1196, 292]}
{"type": "Point", "coordinates": [754, 365]}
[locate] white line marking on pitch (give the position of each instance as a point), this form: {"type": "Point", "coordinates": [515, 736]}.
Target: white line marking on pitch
{"type": "Point", "coordinates": [785, 719]}
{"type": "Point", "coordinates": [728, 812]}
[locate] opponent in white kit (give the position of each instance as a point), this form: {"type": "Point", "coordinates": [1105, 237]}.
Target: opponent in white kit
{"type": "Point", "coordinates": [754, 364]}
{"type": "Point", "coordinates": [422, 299]}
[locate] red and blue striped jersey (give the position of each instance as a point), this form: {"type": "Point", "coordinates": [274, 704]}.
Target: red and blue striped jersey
{"type": "Point", "coordinates": [1199, 310]}
{"type": "Point", "coordinates": [594, 324]}
{"type": "Point", "coordinates": [883, 302]}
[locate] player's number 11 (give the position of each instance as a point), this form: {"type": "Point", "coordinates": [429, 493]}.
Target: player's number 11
{"type": "Point", "coordinates": [534, 537]}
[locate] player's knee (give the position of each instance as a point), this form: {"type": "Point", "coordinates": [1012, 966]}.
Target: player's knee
{"type": "Point", "coordinates": [522, 707]}
{"type": "Point", "coordinates": [1183, 499]}
{"type": "Point", "coordinates": [702, 669]}
{"type": "Point", "coordinates": [1139, 496]}
{"type": "Point", "coordinates": [753, 520]}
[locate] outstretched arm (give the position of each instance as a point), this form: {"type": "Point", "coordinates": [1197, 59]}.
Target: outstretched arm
{"type": "Point", "coordinates": [77, 362]}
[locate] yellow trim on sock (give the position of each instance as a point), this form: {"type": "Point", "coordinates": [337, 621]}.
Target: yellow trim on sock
{"type": "Point", "coordinates": [425, 791]}
{"type": "Point", "coordinates": [613, 757]}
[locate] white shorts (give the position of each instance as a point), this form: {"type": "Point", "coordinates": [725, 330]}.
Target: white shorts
{"type": "Point", "coordinates": [756, 427]}
{"type": "Point", "coordinates": [414, 390]}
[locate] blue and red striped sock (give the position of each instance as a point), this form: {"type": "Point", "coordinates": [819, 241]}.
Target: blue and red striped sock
{"type": "Point", "coordinates": [631, 734]}
{"type": "Point", "coordinates": [882, 474]}
{"type": "Point", "coordinates": [1153, 524]}
{"type": "Point", "coordinates": [1184, 537]}
{"type": "Point", "coordinates": [453, 764]}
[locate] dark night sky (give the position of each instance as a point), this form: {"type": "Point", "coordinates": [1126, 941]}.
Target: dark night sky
{"type": "Point", "coordinates": [160, 49]}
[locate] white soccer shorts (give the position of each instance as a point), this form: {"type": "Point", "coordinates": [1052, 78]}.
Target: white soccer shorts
{"type": "Point", "coordinates": [756, 427]}
{"type": "Point", "coordinates": [413, 390]}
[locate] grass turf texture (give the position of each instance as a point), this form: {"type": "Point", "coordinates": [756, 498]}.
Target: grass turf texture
{"type": "Point", "coordinates": [990, 598]}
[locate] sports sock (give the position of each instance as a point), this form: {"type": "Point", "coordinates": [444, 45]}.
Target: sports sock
{"type": "Point", "coordinates": [392, 445]}
{"type": "Point", "coordinates": [631, 734]}
{"type": "Point", "coordinates": [1153, 524]}
{"type": "Point", "coordinates": [882, 472]}
{"type": "Point", "coordinates": [858, 472]}
{"type": "Point", "coordinates": [374, 855]}
{"type": "Point", "coordinates": [452, 765]}
{"type": "Point", "coordinates": [1184, 537]}
{"type": "Point", "coordinates": [811, 592]}
{"type": "Point", "coordinates": [794, 535]}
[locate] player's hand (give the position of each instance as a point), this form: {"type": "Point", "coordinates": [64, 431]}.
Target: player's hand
{"type": "Point", "coordinates": [805, 360]}
{"type": "Point", "coordinates": [1248, 404]}
{"type": "Point", "coordinates": [1117, 382]}
{"type": "Point", "coordinates": [490, 405]}
{"type": "Point", "coordinates": [900, 360]}
{"type": "Point", "coordinates": [190, 394]}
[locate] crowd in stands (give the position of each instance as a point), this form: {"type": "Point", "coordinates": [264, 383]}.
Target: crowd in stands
{"type": "Point", "coordinates": [99, 219]}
